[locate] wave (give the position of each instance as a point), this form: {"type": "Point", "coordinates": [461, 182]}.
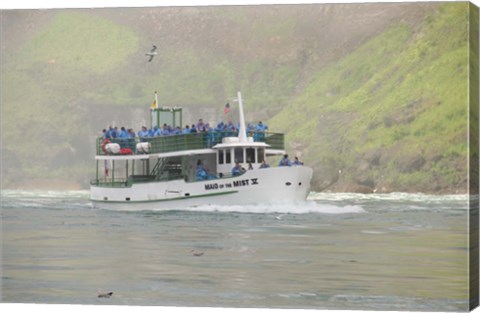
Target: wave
{"type": "Point", "coordinates": [35, 194]}
{"type": "Point", "coordinates": [39, 199]}
{"type": "Point", "coordinates": [394, 196]}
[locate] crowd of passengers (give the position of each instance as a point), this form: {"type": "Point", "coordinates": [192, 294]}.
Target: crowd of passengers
{"type": "Point", "coordinates": [127, 138]}
{"type": "Point", "coordinates": [167, 130]}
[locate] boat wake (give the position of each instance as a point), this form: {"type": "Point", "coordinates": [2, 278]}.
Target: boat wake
{"type": "Point", "coordinates": [322, 203]}
{"type": "Point", "coordinates": [394, 196]}
{"type": "Point", "coordinates": [306, 207]}
{"type": "Point", "coordinates": [79, 200]}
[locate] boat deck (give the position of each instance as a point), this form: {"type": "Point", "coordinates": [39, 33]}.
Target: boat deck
{"type": "Point", "coordinates": [193, 141]}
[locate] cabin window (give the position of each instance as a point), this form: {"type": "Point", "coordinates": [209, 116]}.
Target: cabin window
{"type": "Point", "coordinates": [220, 156]}
{"type": "Point", "coordinates": [260, 155]}
{"type": "Point", "coordinates": [228, 157]}
{"type": "Point", "coordinates": [239, 155]}
{"type": "Point", "coordinates": [250, 155]}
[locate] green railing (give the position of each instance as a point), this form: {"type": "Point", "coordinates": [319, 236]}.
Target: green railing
{"type": "Point", "coordinates": [106, 182]}
{"type": "Point", "coordinates": [275, 140]}
{"type": "Point", "coordinates": [189, 141]}
{"type": "Point", "coordinates": [122, 182]}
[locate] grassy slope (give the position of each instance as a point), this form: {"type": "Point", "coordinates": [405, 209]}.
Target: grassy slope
{"type": "Point", "coordinates": [402, 95]}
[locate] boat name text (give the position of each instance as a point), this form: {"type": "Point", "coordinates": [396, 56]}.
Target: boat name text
{"type": "Point", "coordinates": [234, 184]}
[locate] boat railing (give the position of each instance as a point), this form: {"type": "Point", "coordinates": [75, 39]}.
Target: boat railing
{"type": "Point", "coordinates": [127, 182]}
{"type": "Point", "coordinates": [109, 182]}
{"type": "Point", "coordinates": [183, 142]}
{"type": "Point", "coordinates": [165, 176]}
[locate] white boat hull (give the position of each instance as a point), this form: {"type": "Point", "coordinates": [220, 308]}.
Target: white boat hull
{"type": "Point", "coordinates": [277, 185]}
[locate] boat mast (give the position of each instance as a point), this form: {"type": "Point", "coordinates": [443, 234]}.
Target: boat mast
{"type": "Point", "coordinates": [242, 132]}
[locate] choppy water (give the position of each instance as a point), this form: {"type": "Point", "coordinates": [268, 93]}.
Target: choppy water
{"type": "Point", "coordinates": [337, 251]}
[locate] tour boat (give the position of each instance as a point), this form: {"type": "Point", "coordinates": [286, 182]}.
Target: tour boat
{"type": "Point", "coordinates": [161, 173]}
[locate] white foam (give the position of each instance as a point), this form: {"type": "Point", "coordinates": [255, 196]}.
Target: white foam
{"type": "Point", "coordinates": [13, 193]}
{"type": "Point", "coordinates": [300, 208]}
{"type": "Point", "coordinates": [394, 196]}
{"type": "Point", "coordinates": [373, 232]}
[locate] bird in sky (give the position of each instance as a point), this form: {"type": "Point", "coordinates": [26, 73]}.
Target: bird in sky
{"type": "Point", "coordinates": [152, 53]}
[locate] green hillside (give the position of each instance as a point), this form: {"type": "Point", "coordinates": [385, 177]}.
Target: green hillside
{"type": "Point", "coordinates": [392, 115]}
{"type": "Point", "coordinates": [373, 96]}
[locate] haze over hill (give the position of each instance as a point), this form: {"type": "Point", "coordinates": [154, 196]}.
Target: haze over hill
{"type": "Point", "coordinates": [373, 96]}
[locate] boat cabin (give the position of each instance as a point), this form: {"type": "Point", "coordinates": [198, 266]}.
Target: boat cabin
{"type": "Point", "coordinates": [247, 154]}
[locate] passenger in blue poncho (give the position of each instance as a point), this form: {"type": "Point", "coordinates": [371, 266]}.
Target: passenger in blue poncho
{"type": "Point", "coordinates": [200, 126]}
{"type": "Point", "coordinates": [297, 161]}
{"type": "Point", "coordinates": [264, 165]}
{"type": "Point", "coordinates": [109, 131]}
{"type": "Point", "coordinates": [123, 133]}
{"type": "Point", "coordinates": [250, 128]}
{"type": "Point", "coordinates": [177, 130]}
{"type": "Point", "coordinates": [112, 132]}
{"type": "Point", "coordinates": [260, 130]}
{"type": "Point", "coordinates": [201, 172]}
{"type": "Point", "coordinates": [285, 161]}
{"type": "Point", "coordinates": [230, 126]}
{"type": "Point", "coordinates": [156, 131]}
{"type": "Point", "coordinates": [106, 134]}
{"type": "Point", "coordinates": [220, 127]}
{"type": "Point", "coordinates": [165, 130]}
{"type": "Point", "coordinates": [143, 132]}
{"type": "Point", "coordinates": [237, 169]}
{"type": "Point", "coordinates": [261, 127]}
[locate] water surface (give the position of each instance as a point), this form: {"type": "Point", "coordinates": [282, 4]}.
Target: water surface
{"type": "Point", "coordinates": [337, 251]}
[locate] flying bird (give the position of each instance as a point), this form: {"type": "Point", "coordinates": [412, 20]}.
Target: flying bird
{"type": "Point", "coordinates": [152, 53]}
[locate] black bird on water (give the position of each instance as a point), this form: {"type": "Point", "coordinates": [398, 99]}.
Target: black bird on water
{"type": "Point", "coordinates": [194, 253]}
{"type": "Point", "coordinates": [105, 295]}
{"type": "Point", "coordinates": [152, 53]}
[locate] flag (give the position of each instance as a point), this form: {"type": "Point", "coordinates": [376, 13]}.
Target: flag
{"type": "Point", "coordinates": [227, 108]}
{"type": "Point", "coordinates": [155, 102]}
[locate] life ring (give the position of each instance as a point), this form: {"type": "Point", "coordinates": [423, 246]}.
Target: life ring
{"type": "Point", "coordinates": [104, 143]}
